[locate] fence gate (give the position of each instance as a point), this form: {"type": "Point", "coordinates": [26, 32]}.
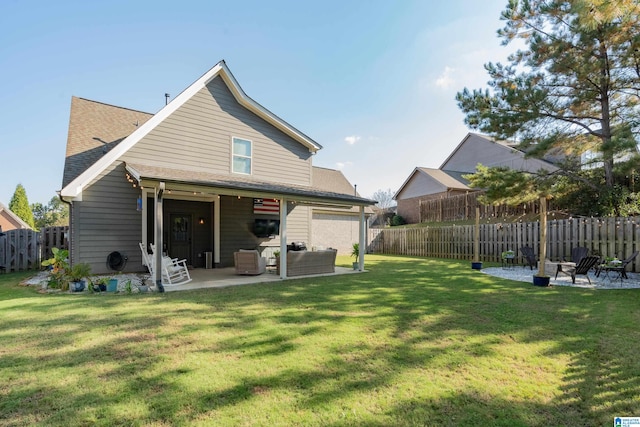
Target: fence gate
{"type": "Point", "coordinates": [20, 250]}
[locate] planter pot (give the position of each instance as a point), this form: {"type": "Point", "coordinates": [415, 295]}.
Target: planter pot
{"type": "Point", "coordinates": [100, 288]}
{"type": "Point", "coordinates": [76, 286]}
{"type": "Point", "coordinates": [356, 265]}
{"type": "Point", "coordinates": [541, 281]}
{"type": "Point", "coordinates": [143, 288]}
{"type": "Point", "coordinates": [476, 265]}
{"type": "Point", "coordinates": [112, 286]}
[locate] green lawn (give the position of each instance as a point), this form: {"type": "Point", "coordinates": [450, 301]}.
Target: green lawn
{"type": "Point", "coordinates": [412, 342]}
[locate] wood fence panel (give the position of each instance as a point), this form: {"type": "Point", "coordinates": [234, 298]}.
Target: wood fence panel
{"type": "Point", "coordinates": [3, 252]}
{"type": "Point", "coordinates": [20, 250]}
{"type": "Point", "coordinates": [602, 236]}
{"type": "Point", "coordinates": [53, 237]}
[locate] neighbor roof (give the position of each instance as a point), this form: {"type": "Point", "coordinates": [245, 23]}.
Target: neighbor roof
{"type": "Point", "coordinates": [12, 216]}
{"type": "Point", "coordinates": [76, 179]}
{"type": "Point", "coordinates": [451, 180]}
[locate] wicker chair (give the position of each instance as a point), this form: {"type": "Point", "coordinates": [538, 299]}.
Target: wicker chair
{"type": "Point", "coordinates": [249, 262]}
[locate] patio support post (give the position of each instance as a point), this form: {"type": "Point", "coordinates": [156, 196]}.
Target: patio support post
{"type": "Point", "coordinates": [283, 238]}
{"type": "Point", "coordinates": [362, 245]}
{"type": "Point", "coordinates": [158, 254]}
{"type": "Point", "coordinates": [216, 230]}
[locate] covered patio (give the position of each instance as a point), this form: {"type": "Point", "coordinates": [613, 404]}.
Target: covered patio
{"type": "Point", "coordinates": [157, 184]}
{"type": "Point", "coordinates": [225, 277]}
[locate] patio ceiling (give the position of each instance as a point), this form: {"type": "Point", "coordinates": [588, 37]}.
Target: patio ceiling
{"type": "Point", "coordinates": [195, 182]}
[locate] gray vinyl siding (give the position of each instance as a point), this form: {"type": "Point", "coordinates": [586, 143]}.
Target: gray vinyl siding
{"type": "Point", "coordinates": [198, 135]}
{"type": "Point", "coordinates": [477, 149]}
{"type": "Point", "coordinates": [419, 185]}
{"type": "Point", "coordinates": [106, 220]}
{"type": "Point", "coordinates": [236, 227]}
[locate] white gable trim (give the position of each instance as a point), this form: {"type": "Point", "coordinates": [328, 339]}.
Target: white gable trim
{"type": "Point", "coordinates": [73, 191]}
{"type": "Point", "coordinates": [406, 181]}
{"type": "Point", "coordinates": [15, 217]}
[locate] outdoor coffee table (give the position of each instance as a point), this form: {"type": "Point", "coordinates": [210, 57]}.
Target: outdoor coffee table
{"type": "Point", "coordinates": [614, 266]}
{"type": "Point", "coordinates": [508, 261]}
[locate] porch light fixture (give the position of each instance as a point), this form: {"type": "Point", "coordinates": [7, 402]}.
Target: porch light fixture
{"type": "Point", "coordinates": [201, 221]}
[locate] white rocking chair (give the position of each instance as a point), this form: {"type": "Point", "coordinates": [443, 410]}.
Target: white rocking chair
{"type": "Point", "coordinates": [174, 271]}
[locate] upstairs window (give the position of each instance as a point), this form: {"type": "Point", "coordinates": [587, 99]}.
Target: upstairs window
{"type": "Point", "coordinates": [241, 156]}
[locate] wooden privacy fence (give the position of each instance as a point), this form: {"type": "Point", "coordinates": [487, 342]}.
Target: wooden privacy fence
{"type": "Point", "coordinates": [463, 207]}
{"type": "Point", "coordinates": [53, 237]}
{"type": "Point", "coordinates": [20, 250]}
{"type": "Point", "coordinates": [618, 237]}
{"type": "Point", "coordinates": [24, 249]}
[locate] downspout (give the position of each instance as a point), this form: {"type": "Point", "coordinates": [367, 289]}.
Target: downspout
{"type": "Point", "coordinates": [158, 253]}
{"type": "Point", "coordinates": [70, 215]}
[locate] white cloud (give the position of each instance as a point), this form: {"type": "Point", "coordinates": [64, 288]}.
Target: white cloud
{"type": "Point", "coordinates": [341, 165]}
{"type": "Point", "coordinates": [352, 139]}
{"type": "Point", "coordinates": [445, 81]}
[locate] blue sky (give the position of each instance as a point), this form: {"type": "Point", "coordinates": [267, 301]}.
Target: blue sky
{"type": "Point", "coordinates": [374, 82]}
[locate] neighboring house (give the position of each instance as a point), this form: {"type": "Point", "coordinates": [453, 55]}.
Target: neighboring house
{"type": "Point", "coordinates": [199, 176]}
{"type": "Point", "coordinates": [332, 227]}
{"type": "Point", "coordinates": [447, 181]}
{"type": "Point", "coordinates": [10, 221]}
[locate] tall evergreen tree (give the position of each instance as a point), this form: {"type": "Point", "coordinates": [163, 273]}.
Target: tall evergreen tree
{"type": "Point", "coordinates": [576, 85]}
{"type": "Point", "coordinates": [19, 205]}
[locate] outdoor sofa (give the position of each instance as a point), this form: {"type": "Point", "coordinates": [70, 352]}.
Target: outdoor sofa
{"type": "Point", "coordinates": [302, 263]}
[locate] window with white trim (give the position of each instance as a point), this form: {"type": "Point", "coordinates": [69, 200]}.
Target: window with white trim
{"type": "Point", "coordinates": [241, 155]}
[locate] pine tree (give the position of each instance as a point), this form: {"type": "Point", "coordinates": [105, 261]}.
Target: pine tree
{"type": "Point", "coordinates": [575, 86]}
{"type": "Point", "coordinates": [19, 205]}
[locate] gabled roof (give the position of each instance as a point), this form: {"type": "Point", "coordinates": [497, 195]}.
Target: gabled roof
{"type": "Point", "coordinates": [13, 217]}
{"type": "Point", "coordinates": [451, 181]}
{"type": "Point", "coordinates": [75, 180]}
{"type": "Point", "coordinates": [94, 129]}
{"type": "Point", "coordinates": [334, 181]}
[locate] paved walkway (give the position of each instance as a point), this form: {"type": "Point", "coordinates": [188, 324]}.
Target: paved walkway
{"type": "Point", "coordinates": [524, 274]}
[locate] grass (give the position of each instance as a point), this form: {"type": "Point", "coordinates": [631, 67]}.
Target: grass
{"type": "Point", "coordinates": [412, 342]}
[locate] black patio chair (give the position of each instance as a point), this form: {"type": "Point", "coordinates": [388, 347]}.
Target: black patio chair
{"type": "Point", "coordinates": [529, 257]}
{"type": "Point", "coordinates": [582, 268]}
{"type": "Point", "coordinates": [577, 254]}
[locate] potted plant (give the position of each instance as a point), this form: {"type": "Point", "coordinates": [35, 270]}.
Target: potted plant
{"type": "Point", "coordinates": [508, 254]}
{"type": "Point", "coordinates": [112, 285]}
{"type": "Point", "coordinates": [100, 285]}
{"type": "Point", "coordinates": [143, 287]}
{"type": "Point", "coordinates": [76, 275]}
{"type": "Point", "coordinates": [59, 261]}
{"type": "Point", "coordinates": [355, 253]}
{"type": "Point", "coordinates": [58, 265]}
